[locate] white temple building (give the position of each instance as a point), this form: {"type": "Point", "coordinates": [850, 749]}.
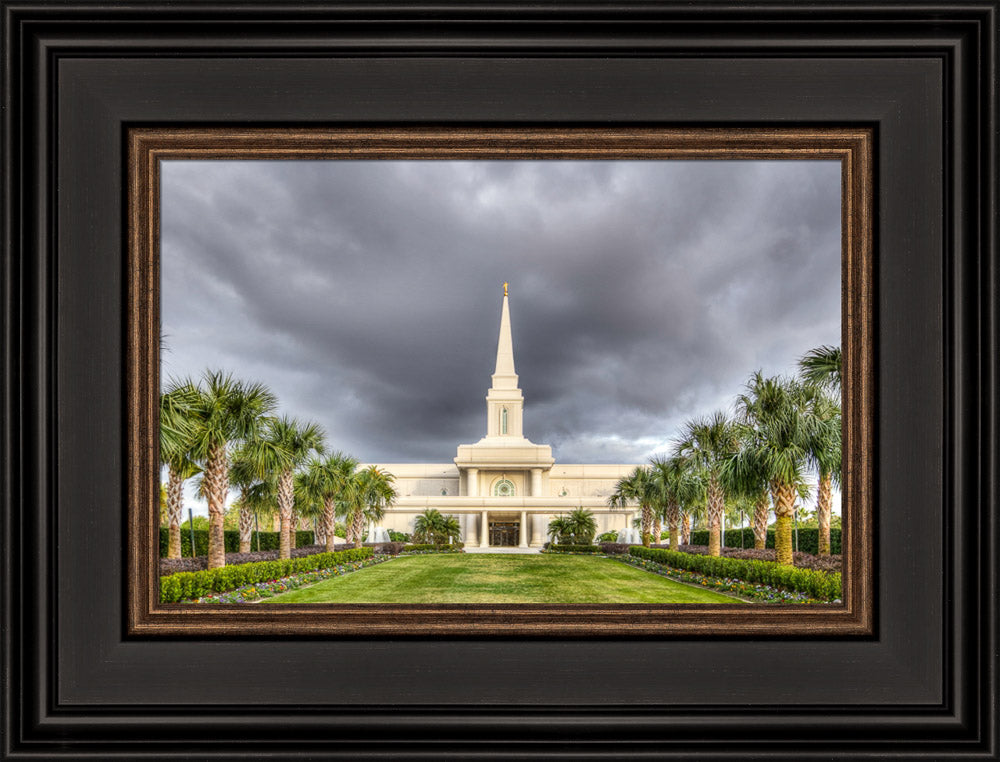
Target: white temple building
{"type": "Point", "coordinates": [505, 489]}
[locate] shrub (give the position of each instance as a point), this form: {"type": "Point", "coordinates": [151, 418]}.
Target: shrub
{"type": "Point", "coordinates": [268, 541]}
{"type": "Point", "coordinates": [398, 536]}
{"type": "Point", "coordinates": [575, 548]}
{"type": "Point", "coordinates": [385, 548]}
{"type": "Point", "coordinates": [820, 585]}
{"type": "Point", "coordinates": [184, 585]}
{"type": "Point", "coordinates": [808, 539]}
{"type": "Point", "coordinates": [611, 536]}
{"type": "Point", "coordinates": [615, 548]}
{"type": "Point", "coordinates": [440, 548]}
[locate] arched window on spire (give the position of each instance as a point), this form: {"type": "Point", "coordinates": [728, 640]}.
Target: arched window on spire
{"type": "Point", "coordinates": [503, 421]}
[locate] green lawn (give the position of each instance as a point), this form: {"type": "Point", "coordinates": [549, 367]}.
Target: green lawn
{"type": "Point", "coordinates": [483, 578]}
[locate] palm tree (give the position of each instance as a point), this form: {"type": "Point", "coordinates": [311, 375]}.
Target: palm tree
{"type": "Point", "coordinates": [822, 367]}
{"type": "Point", "coordinates": [747, 473]}
{"type": "Point", "coordinates": [434, 527]}
{"type": "Point", "coordinates": [373, 493]}
{"type": "Point", "coordinates": [825, 456]}
{"type": "Point", "coordinates": [762, 399]}
{"type": "Point", "coordinates": [558, 529]}
{"type": "Point", "coordinates": [327, 481]}
{"type": "Point", "coordinates": [226, 411]}
{"type": "Point", "coordinates": [176, 431]}
{"type": "Point", "coordinates": [780, 448]}
{"type": "Point", "coordinates": [286, 445]}
{"type": "Point", "coordinates": [639, 487]}
{"type": "Point", "coordinates": [708, 443]}
{"type": "Point", "coordinates": [246, 475]}
{"type": "Point", "coordinates": [685, 527]}
{"type": "Point", "coordinates": [680, 485]}
{"type": "Point", "coordinates": [582, 526]}
{"type": "Point", "coordinates": [260, 501]}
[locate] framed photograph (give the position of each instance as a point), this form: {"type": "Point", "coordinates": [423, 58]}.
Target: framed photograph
{"type": "Point", "coordinates": [99, 98]}
{"type": "Point", "coordinates": [505, 490]}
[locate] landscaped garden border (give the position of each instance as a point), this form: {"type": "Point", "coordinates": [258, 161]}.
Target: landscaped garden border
{"type": "Point", "coordinates": [820, 586]}
{"type": "Point", "coordinates": [748, 591]}
{"type": "Point", "coordinates": [193, 585]}
{"type": "Point", "coordinates": [254, 593]}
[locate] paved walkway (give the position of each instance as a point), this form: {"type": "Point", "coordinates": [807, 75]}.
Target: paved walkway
{"type": "Point", "coordinates": [477, 549]}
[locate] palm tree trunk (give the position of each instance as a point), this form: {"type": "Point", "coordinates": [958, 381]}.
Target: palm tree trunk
{"type": "Point", "coordinates": [175, 507]}
{"type": "Point", "coordinates": [824, 504]}
{"type": "Point", "coordinates": [293, 537]}
{"type": "Point", "coordinates": [216, 486]}
{"type": "Point", "coordinates": [330, 522]}
{"type": "Point", "coordinates": [685, 528]}
{"type": "Point", "coordinates": [761, 508]}
{"type": "Point", "coordinates": [647, 524]}
{"type": "Point", "coordinates": [246, 528]}
{"type": "Point", "coordinates": [286, 498]}
{"type": "Point", "coordinates": [319, 533]}
{"type": "Point", "coordinates": [657, 530]}
{"type": "Point", "coordinates": [673, 514]}
{"type": "Point", "coordinates": [716, 506]}
{"type": "Point", "coordinates": [358, 526]}
{"type": "Point", "coordinates": [784, 509]}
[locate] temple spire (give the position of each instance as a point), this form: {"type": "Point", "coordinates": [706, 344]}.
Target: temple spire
{"type": "Point", "coordinates": [504, 373]}
{"type": "Point", "coordinates": [504, 402]}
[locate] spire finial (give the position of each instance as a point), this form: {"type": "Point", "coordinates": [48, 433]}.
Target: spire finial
{"type": "Point", "coordinates": [505, 288]}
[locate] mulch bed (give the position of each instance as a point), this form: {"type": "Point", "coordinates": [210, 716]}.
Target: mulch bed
{"type": "Point", "coordinates": [802, 560]}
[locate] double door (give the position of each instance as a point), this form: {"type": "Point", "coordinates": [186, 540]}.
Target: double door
{"type": "Point", "coordinates": [504, 534]}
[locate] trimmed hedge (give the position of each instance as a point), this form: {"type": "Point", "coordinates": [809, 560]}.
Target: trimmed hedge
{"type": "Point", "coordinates": [819, 585]}
{"type": "Point", "coordinates": [575, 548]}
{"type": "Point", "coordinates": [268, 541]}
{"type": "Point", "coordinates": [184, 585]}
{"type": "Point", "coordinates": [614, 548]}
{"type": "Point", "coordinates": [444, 548]}
{"type": "Point", "coordinates": [808, 539]}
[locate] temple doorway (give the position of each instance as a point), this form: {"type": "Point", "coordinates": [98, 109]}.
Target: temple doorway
{"type": "Point", "coordinates": [505, 534]}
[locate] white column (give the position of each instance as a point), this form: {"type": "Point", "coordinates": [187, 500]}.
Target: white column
{"type": "Point", "coordinates": [484, 532]}
{"type": "Point", "coordinates": [470, 529]}
{"type": "Point", "coordinates": [539, 525]}
{"type": "Point", "coordinates": [536, 482]}
{"type": "Point", "coordinates": [522, 540]}
{"type": "Point", "coordinates": [474, 482]}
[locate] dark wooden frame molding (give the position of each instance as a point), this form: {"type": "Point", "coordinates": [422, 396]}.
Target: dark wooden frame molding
{"type": "Point", "coordinates": [76, 683]}
{"type": "Point", "coordinates": [147, 147]}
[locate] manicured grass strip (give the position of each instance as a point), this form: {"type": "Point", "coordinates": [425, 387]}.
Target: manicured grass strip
{"type": "Point", "coordinates": [486, 578]}
{"type": "Point", "coordinates": [193, 585]}
{"type": "Point", "coordinates": [821, 586]}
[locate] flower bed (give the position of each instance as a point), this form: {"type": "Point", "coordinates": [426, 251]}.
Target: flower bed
{"type": "Point", "coordinates": [757, 593]}
{"type": "Point", "coordinates": [271, 588]}
{"type": "Point", "coordinates": [822, 586]}
{"type": "Point", "coordinates": [193, 585]}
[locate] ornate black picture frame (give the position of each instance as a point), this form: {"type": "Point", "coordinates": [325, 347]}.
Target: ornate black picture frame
{"type": "Point", "coordinates": [77, 684]}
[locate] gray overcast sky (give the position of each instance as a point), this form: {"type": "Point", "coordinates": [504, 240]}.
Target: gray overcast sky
{"type": "Point", "coordinates": [367, 294]}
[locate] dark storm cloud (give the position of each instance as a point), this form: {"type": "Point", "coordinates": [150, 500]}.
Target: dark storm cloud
{"type": "Point", "coordinates": [367, 294]}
